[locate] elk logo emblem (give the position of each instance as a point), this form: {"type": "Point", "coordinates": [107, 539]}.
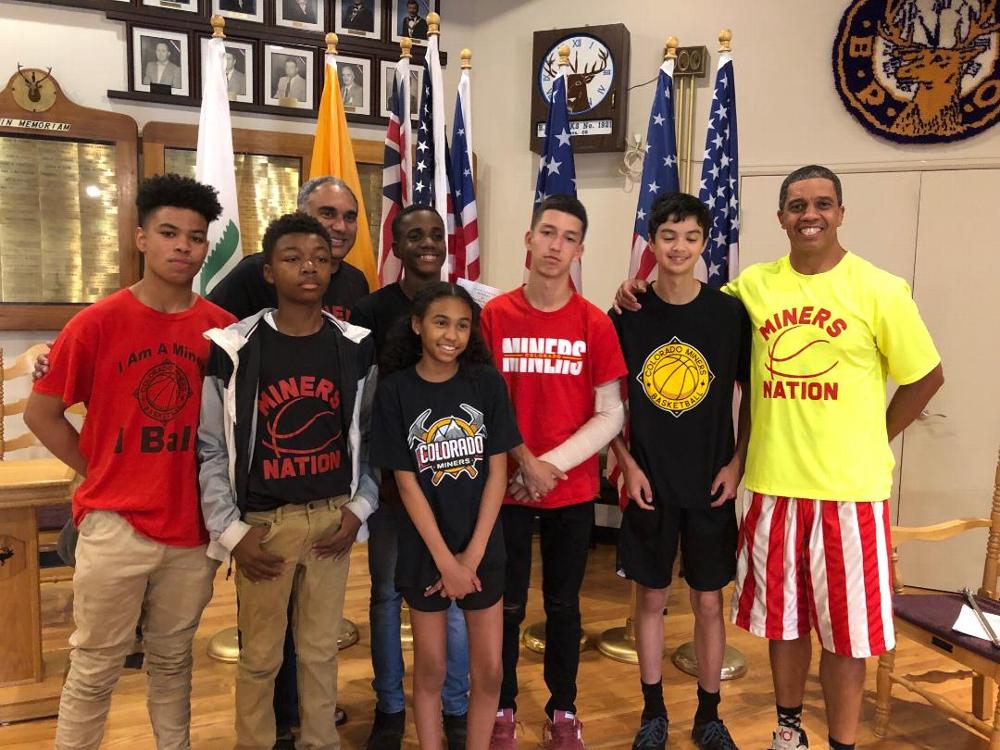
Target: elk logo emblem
{"type": "Point", "coordinates": [920, 71]}
{"type": "Point", "coordinates": [589, 77]}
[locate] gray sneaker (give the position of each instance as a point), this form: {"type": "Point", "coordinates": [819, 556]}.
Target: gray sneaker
{"type": "Point", "coordinates": [786, 738]}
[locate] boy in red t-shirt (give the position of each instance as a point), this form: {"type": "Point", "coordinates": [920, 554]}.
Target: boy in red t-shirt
{"type": "Point", "coordinates": [561, 360]}
{"type": "Point", "coordinates": [136, 360]}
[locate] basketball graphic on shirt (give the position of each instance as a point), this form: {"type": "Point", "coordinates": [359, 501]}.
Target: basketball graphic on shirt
{"type": "Point", "coordinates": [163, 391]}
{"type": "Point", "coordinates": [676, 377]}
{"type": "Point", "coordinates": [297, 428]}
{"type": "Point", "coordinates": [800, 352]}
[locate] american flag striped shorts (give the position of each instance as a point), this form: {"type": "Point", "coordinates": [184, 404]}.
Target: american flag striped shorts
{"type": "Point", "coordinates": [817, 564]}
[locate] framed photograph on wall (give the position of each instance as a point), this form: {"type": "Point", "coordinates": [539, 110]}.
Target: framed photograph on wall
{"type": "Point", "coordinates": [355, 75]}
{"type": "Point", "coordinates": [388, 68]}
{"type": "Point", "coordinates": [300, 14]}
{"type": "Point", "coordinates": [358, 18]}
{"type": "Point", "coordinates": [289, 76]}
{"type": "Point", "coordinates": [239, 68]}
{"type": "Point", "coordinates": [409, 18]}
{"type": "Point", "coordinates": [160, 62]}
{"type": "Point", "coordinates": [244, 10]}
{"type": "Point", "coordinates": [191, 6]}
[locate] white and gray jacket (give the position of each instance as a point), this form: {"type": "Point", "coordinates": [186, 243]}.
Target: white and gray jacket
{"type": "Point", "coordinates": [228, 424]}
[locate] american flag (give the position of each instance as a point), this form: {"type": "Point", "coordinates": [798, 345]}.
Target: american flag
{"type": "Point", "coordinates": [463, 243]}
{"type": "Point", "coordinates": [719, 188]}
{"type": "Point", "coordinates": [556, 169]}
{"type": "Point", "coordinates": [430, 168]}
{"type": "Point", "coordinates": [396, 170]}
{"type": "Point", "coordinates": [659, 170]}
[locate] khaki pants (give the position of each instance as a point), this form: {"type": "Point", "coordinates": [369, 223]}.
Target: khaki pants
{"type": "Point", "coordinates": [316, 588]}
{"type": "Point", "coordinates": [122, 577]}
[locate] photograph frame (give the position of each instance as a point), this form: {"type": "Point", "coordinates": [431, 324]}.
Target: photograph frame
{"type": "Point", "coordinates": [249, 72]}
{"type": "Point", "coordinates": [361, 65]}
{"type": "Point", "coordinates": [257, 16]}
{"type": "Point", "coordinates": [398, 11]}
{"type": "Point", "coordinates": [143, 56]}
{"type": "Point", "coordinates": [340, 20]}
{"type": "Point", "coordinates": [283, 7]}
{"type": "Point", "coordinates": [386, 69]}
{"type": "Point", "coordinates": [179, 5]}
{"type": "Point", "coordinates": [271, 82]}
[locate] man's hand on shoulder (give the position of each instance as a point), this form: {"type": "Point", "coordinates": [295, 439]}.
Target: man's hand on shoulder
{"type": "Point", "coordinates": [41, 365]}
{"type": "Point", "coordinates": [625, 298]}
{"type": "Point", "coordinates": [338, 543]}
{"type": "Point", "coordinates": [253, 561]}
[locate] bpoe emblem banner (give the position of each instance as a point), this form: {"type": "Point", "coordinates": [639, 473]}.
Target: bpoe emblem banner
{"type": "Point", "coordinates": [920, 71]}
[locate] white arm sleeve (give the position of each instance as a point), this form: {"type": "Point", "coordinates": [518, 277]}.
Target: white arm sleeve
{"type": "Point", "coordinates": [595, 433]}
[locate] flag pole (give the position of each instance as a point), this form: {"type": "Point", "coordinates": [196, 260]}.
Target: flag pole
{"type": "Point", "coordinates": [685, 658]}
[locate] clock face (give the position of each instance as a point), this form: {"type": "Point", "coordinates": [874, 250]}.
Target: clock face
{"type": "Point", "coordinates": [590, 76]}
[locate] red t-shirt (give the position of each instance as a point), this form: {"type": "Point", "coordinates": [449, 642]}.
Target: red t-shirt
{"type": "Point", "coordinates": [139, 373]}
{"type": "Point", "coordinates": [552, 362]}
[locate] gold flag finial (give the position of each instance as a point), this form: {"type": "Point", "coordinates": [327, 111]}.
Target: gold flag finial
{"type": "Point", "coordinates": [726, 40]}
{"type": "Point", "coordinates": [218, 24]}
{"type": "Point", "coordinates": [466, 55]}
{"type": "Point", "coordinates": [670, 50]}
{"type": "Point", "coordinates": [433, 24]}
{"type": "Point", "coordinates": [331, 43]}
{"type": "Point", "coordinates": [405, 45]}
{"type": "Point", "coordinates": [563, 55]}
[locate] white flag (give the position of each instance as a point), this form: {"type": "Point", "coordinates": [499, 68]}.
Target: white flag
{"type": "Point", "coordinates": [215, 166]}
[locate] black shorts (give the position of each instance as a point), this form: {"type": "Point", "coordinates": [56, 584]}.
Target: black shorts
{"type": "Point", "coordinates": [648, 539]}
{"type": "Point", "coordinates": [491, 581]}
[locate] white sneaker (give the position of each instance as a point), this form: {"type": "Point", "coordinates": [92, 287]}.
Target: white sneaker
{"type": "Point", "coordinates": [785, 738]}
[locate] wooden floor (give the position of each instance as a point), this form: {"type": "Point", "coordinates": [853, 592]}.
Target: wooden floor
{"type": "Point", "coordinates": [609, 700]}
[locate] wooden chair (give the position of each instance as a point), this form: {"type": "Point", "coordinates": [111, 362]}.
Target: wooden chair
{"type": "Point", "coordinates": [927, 618]}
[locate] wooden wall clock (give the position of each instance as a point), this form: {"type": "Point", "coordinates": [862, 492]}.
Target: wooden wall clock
{"type": "Point", "coordinates": [596, 87]}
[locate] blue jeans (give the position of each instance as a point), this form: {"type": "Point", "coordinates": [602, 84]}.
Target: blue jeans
{"type": "Point", "coordinates": [387, 652]}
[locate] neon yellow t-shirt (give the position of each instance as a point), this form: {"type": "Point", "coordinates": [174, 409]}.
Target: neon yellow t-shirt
{"type": "Point", "coordinates": [822, 346]}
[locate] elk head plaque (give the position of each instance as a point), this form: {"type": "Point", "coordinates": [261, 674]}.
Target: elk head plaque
{"type": "Point", "coordinates": [596, 85]}
{"type": "Point", "coordinates": [920, 71]}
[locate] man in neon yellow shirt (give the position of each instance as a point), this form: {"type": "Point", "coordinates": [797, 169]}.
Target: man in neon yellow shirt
{"type": "Point", "coordinates": [827, 328]}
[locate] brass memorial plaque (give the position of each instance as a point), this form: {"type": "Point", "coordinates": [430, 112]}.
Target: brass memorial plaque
{"type": "Point", "coordinates": [58, 221]}
{"type": "Point", "coordinates": [268, 186]}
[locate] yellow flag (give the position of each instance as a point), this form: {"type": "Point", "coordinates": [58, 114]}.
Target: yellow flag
{"type": "Point", "coordinates": [333, 155]}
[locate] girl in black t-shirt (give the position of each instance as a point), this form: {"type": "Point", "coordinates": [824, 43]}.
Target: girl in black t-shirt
{"type": "Point", "coordinates": [443, 424]}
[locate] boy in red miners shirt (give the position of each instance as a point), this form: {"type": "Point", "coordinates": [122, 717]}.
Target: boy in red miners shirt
{"type": "Point", "coordinates": [561, 360]}
{"type": "Point", "coordinates": [136, 359]}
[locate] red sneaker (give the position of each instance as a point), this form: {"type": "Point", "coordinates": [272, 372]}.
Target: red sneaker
{"type": "Point", "coordinates": [564, 732]}
{"type": "Point", "coordinates": [504, 735]}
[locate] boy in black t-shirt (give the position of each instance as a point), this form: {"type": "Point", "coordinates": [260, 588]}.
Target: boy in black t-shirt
{"type": "Point", "coordinates": [284, 477]}
{"type": "Point", "coordinates": [686, 349]}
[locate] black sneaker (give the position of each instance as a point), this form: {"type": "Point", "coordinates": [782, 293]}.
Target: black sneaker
{"type": "Point", "coordinates": [455, 730]}
{"type": "Point", "coordinates": [387, 731]}
{"type": "Point", "coordinates": [713, 735]}
{"type": "Point", "coordinates": [652, 734]}
{"type": "Point", "coordinates": [339, 716]}
{"type": "Point", "coordinates": [285, 739]}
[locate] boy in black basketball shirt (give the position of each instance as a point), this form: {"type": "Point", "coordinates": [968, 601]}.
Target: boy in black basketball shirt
{"type": "Point", "coordinates": [686, 348]}
{"type": "Point", "coordinates": [284, 480]}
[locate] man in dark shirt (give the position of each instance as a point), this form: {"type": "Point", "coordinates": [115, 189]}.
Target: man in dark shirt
{"type": "Point", "coordinates": [418, 240]}
{"type": "Point", "coordinates": [244, 291]}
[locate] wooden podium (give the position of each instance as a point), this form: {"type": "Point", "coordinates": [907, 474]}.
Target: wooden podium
{"type": "Point", "coordinates": [30, 682]}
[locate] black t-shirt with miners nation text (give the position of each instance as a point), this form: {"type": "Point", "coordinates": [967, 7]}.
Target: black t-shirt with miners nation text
{"type": "Point", "coordinates": [683, 362]}
{"type": "Point", "coordinates": [445, 433]}
{"type": "Point", "coordinates": [244, 291]}
{"type": "Point", "coordinates": [380, 311]}
{"type": "Point", "coordinates": [300, 449]}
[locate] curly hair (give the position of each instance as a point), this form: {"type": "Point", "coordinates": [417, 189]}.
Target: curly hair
{"type": "Point", "coordinates": [403, 347]}
{"type": "Point", "coordinates": [294, 223]}
{"type": "Point", "coordinates": [177, 192]}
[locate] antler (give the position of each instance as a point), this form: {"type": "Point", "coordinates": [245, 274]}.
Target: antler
{"type": "Point", "coordinates": [550, 66]}
{"type": "Point", "coordinates": [48, 74]}
{"type": "Point", "coordinates": [599, 67]}
{"type": "Point", "coordinates": [985, 23]}
{"type": "Point", "coordinates": [889, 30]}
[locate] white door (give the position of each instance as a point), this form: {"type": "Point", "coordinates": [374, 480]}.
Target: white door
{"type": "Point", "coordinates": [949, 460]}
